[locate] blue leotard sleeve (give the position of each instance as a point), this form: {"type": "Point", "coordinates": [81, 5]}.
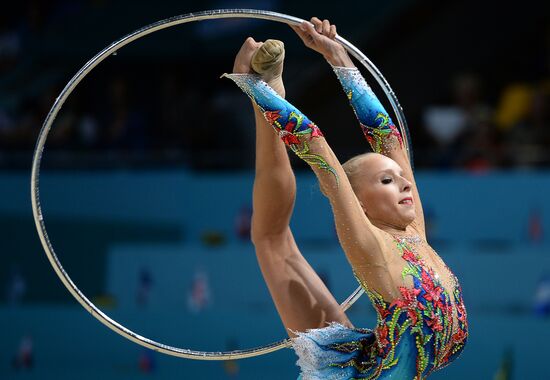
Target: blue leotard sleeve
{"type": "Point", "coordinates": [375, 121]}
{"type": "Point", "coordinates": [293, 127]}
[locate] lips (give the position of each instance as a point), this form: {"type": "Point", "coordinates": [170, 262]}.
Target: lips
{"type": "Point", "coordinates": [406, 201]}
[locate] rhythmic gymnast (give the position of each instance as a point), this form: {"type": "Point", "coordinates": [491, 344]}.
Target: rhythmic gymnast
{"type": "Point", "coordinates": [421, 318]}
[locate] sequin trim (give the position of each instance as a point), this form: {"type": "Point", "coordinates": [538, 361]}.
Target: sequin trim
{"type": "Point", "coordinates": [335, 352]}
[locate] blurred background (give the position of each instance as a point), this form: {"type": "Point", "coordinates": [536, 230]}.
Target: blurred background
{"type": "Point", "coordinates": [147, 177]}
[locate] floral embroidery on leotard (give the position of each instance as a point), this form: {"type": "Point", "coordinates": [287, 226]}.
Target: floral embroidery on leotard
{"type": "Point", "coordinates": [293, 127]}
{"type": "Point", "coordinates": [378, 127]}
{"type": "Point", "coordinates": [379, 137]}
{"type": "Point", "coordinates": [424, 311]}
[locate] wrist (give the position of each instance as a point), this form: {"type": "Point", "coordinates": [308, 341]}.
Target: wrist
{"type": "Point", "coordinates": [339, 57]}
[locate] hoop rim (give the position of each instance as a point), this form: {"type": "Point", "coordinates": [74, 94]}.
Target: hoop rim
{"type": "Point", "coordinates": [71, 85]}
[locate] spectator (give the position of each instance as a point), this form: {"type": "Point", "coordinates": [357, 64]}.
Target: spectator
{"type": "Point", "coordinates": [243, 223]}
{"type": "Point", "coordinates": [24, 357]}
{"type": "Point", "coordinates": [146, 361]}
{"type": "Point", "coordinates": [144, 287]}
{"type": "Point", "coordinates": [461, 130]}
{"type": "Point", "coordinates": [523, 116]}
{"type": "Point", "coordinates": [198, 296]}
{"type": "Point", "coordinates": [542, 297]}
{"type": "Point", "coordinates": [17, 286]}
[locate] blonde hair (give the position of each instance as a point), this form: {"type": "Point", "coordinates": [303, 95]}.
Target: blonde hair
{"type": "Point", "coordinates": [352, 168]}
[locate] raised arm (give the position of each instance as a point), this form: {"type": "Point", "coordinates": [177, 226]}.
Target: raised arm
{"type": "Point", "coordinates": [359, 238]}
{"type": "Point", "coordinates": [381, 133]}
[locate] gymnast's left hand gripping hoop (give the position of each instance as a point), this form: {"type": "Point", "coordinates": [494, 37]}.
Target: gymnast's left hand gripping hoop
{"type": "Point", "coordinates": [85, 70]}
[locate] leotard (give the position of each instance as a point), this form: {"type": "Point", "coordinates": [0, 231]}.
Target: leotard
{"type": "Point", "coordinates": [417, 333]}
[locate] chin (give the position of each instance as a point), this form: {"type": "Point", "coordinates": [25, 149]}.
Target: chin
{"type": "Point", "coordinates": [409, 218]}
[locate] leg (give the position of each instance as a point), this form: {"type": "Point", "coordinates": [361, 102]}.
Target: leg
{"type": "Point", "coordinates": [301, 298]}
{"type": "Point", "coordinates": [362, 241]}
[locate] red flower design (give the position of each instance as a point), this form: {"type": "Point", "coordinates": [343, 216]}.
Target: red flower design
{"type": "Point", "coordinates": [370, 139]}
{"type": "Point", "coordinates": [409, 299]}
{"type": "Point", "coordinates": [382, 311]}
{"type": "Point", "coordinates": [409, 256]}
{"type": "Point", "coordinates": [382, 333]}
{"type": "Point", "coordinates": [448, 310]}
{"type": "Point", "coordinates": [459, 336]}
{"type": "Point", "coordinates": [315, 131]}
{"type": "Point", "coordinates": [290, 125]}
{"type": "Point", "coordinates": [288, 138]}
{"type": "Point", "coordinates": [272, 116]}
{"type": "Point", "coordinates": [413, 316]}
{"type": "Point", "coordinates": [445, 358]}
{"type": "Point", "coordinates": [433, 292]}
{"type": "Point", "coordinates": [427, 275]}
{"type": "Point", "coordinates": [434, 323]}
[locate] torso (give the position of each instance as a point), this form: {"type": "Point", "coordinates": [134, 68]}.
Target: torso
{"type": "Point", "coordinates": [427, 257]}
{"type": "Point", "coordinates": [415, 291]}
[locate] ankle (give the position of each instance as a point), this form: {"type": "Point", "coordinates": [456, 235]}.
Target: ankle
{"type": "Point", "coordinates": [277, 85]}
{"type": "Point", "coordinates": [268, 62]}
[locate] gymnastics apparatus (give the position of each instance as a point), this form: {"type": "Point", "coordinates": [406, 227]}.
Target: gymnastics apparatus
{"type": "Point", "coordinates": [418, 332]}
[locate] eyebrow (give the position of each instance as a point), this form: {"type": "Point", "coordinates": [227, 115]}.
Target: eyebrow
{"type": "Point", "coordinates": [389, 170]}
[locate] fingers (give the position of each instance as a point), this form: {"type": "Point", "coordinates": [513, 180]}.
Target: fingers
{"type": "Point", "coordinates": [300, 31]}
{"type": "Point", "coordinates": [324, 27]}
{"type": "Point", "coordinates": [311, 33]}
{"type": "Point", "coordinates": [306, 32]}
{"type": "Point", "coordinates": [318, 24]}
{"type": "Point", "coordinates": [332, 33]}
{"type": "Point", "coordinates": [310, 29]}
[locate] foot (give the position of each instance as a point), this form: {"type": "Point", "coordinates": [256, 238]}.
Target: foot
{"type": "Point", "coordinates": [268, 62]}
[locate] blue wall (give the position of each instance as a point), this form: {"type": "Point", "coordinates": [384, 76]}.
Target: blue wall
{"type": "Point", "coordinates": [479, 225]}
{"type": "Point", "coordinates": [463, 207]}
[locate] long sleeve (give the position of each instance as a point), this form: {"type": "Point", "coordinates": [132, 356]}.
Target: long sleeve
{"type": "Point", "coordinates": [359, 238]}
{"type": "Point", "coordinates": [378, 127]}
{"type": "Point", "coordinates": [293, 127]}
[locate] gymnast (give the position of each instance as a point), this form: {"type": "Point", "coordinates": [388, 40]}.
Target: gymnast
{"type": "Point", "coordinates": [421, 318]}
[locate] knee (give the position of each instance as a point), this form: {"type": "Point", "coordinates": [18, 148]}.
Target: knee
{"type": "Point", "coordinates": [262, 239]}
{"type": "Point", "coordinates": [268, 240]}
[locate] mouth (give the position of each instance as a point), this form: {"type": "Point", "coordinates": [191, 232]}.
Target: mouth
{"type": "Point", "coordinates": [406, 201]}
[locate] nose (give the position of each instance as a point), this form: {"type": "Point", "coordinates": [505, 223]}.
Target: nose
{"type": "Point", "coordinates": [406, 185]}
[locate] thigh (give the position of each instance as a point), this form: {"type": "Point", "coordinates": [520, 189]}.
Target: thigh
{"type": "Point", "coordinates": [300, 296]}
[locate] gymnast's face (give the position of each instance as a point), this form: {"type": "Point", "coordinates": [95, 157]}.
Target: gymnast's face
{"type": "Point", "coordinates": [385, 195]}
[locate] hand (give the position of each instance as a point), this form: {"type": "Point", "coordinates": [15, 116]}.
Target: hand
{"type": "Point", "coordinates": [244, 56]}
{"type": "Point", "coordinates": [321, 37]}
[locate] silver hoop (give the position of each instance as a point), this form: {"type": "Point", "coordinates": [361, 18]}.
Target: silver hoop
{"type": "Point", "coordinates": [85, 70]}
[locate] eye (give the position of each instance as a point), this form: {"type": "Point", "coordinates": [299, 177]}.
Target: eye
{"type": "Point", "coordinates": [385, 181]}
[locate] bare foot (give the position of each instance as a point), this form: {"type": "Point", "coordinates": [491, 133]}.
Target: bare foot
{"type": "Point", "coordinates": [268, 62]}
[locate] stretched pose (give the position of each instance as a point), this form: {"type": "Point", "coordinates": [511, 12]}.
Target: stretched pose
{"type": "Point", "coordinates": [422, 323]}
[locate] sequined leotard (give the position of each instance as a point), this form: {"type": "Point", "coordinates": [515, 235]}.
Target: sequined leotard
{"type": "Point", "coordinates": [422, 330]}
{"type": "Point", "coordinates": [414, 335]}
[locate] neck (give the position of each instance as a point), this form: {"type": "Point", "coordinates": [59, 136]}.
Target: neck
{"type": "Point", "coordinates": [392, 229]}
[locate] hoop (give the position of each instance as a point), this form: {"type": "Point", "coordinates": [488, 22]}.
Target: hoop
{"type": "Point", "coordinates": [85, 70]}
